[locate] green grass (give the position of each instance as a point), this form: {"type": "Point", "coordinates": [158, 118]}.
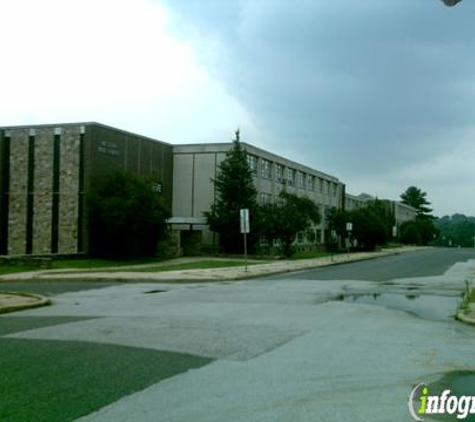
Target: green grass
{"type": "Point", "coordinates": [310, 255]}
{"type": "Point", "coordinates": [55, 381]}
{"type": "Point", "coordinates": [10, 269]}
{"type": "Point", "coordinates": [200, 265]}
{"type": "Point", "coordinates": [69, 265]}
{"type": "Point", "coordinates": [85, 263]}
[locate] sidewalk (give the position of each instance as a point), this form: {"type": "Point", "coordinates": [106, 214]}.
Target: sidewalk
{"type": "Point", "coordinates": [212, 274]}
{"type": "Point", "coordinates": [11, 302]}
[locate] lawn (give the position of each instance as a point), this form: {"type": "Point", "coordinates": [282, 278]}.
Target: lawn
{"type": "Point", "coordinates": [199, 265]}
{"type": "Point", "coordinates": [69, 265]}
{"type": "Point", "coordinates": [85, 263]}
{"type": "Point", "coordinates": [10, 269]}
{"type": "Point", "coordinates": [310, 255]}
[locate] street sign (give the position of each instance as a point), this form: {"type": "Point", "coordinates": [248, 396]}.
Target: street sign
{"type": "Point", "coordinates": [349, 227]}
{"type": "Point", "coordinates": [244, 218]}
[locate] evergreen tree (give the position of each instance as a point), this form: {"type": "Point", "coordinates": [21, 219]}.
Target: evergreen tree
{"type": "Point", "coordinates": [235, 190]}
{"type": "Point", "coordinates": [422, 230]}
{"type": "Point", "coordinates": [417, 199]}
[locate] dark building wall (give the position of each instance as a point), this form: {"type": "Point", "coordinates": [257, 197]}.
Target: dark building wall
{"type": "Point", "coordinates": [108, 148]}
{"type": "Point", "coordinates": [4, 180]}
{"type": "Point", "coordinates": [46, 172]}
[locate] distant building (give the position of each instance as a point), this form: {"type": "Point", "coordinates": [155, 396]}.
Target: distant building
{"type": "Point", "coordinates": [402, 212]}
{"type": "Point", "coordinates": [353, 202]}
{"type": "Point", "coordinates": [46, 172]}
{"type": "Point", "coordinates": [193, 191]}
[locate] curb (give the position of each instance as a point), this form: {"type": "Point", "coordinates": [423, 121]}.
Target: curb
{"type": "Point", "coordinates": [39, 301]}
{"type": "Point", "coordinates": [75, 277]}
{"type": "Point", "coordinates": [462, 317]}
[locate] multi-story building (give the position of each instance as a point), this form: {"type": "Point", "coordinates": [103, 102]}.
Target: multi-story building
{"type": "Point", "coordinates": [195, 165]}
{"type": "Point", "coordinates": [46, 172]}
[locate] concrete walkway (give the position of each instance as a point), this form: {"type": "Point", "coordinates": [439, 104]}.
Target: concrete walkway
{"type": "Point", "coordinates": [211, 274]}
{"type": "Point", "coordinates": [11, 302]}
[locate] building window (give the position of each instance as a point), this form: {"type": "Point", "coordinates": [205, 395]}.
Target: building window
{"type": "Point", "coordinates": [290, 176]}
{"type": "Point", "coordinates": [266, 198]}
{"type": "Point", "coordinates": [279, 173]}
{"type": "Point", "coordinates": [252, 161]}
{"type": "Point", "coordinates": [335, 188]}
{"type": "Point", "coordinates": [263, 241]}
{"type": "Point", "coordinates": [300, 180]}
{"type": "Point", "coordinates": [310, 182]}
{"type": "Point", "coordinates": [265, 169]}
{"type": "Point", "coordinates": [319, 184]}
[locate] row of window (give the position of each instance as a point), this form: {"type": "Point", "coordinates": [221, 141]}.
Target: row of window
{"type": "Point", "coordinates": [306, 237]}
{"type": "Point", "coordinates": [292, 177]}
{"type": "Point", "coordinates": [267, 198]}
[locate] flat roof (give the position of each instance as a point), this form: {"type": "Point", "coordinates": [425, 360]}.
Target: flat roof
{"type": "Point", "coordinates": [271, 154]}
{"type": "Point", "coordinates": [56, 125]}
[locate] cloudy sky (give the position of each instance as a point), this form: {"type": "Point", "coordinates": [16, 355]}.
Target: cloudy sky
{"type": "Point", "coordinates": [380, 94]}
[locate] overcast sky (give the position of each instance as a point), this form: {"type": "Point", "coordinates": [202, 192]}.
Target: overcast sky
{"type": "Point", "coordinates": [379, 93]}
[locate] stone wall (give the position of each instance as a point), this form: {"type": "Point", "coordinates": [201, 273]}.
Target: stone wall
{"type": "Point", "coordinates": [69, 188]}
{"type": "Point", "coordinates": [43, 187]}
{"type": "Point", "coordinates": [18, 192]}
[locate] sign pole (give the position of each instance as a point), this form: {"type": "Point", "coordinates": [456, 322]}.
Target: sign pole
{"type": "Point", "coordinates": [245, 252]}
{"type": "Point", "coordinates": [244, 222]}
{"type": "Point", "coordinates": [349, 228]}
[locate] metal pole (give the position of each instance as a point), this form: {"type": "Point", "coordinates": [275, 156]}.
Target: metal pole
{"type": "Point", "coordinates": [245, 251]}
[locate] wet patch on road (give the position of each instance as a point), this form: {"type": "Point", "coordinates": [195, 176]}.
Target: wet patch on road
{"type": "Point", "coordinates": [155, 291]}
{"type": "Point", "coordinates": [429, 307]}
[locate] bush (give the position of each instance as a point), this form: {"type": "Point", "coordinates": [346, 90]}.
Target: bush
{"type": "Point", "coordinates": [126, 217]}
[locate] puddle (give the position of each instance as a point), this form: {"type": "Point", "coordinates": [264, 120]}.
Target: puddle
{"type": "Point", "coordinates": [155, 291]}
{"type": "Point", "coordinates": [435, 308]}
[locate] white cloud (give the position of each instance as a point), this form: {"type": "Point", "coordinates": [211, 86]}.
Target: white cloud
{"type": "Point", "coordinates": [109, 61]}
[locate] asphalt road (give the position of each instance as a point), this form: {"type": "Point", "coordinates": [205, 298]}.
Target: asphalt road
{"type": "Point", "coordinates": [265, 350]}
{"type": "Point", "coordinates": [413, 264]}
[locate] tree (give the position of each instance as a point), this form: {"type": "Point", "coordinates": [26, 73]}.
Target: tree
{"type": "Point", "coordinates": [422, 230]}
{"type": "Point", "coordinates": [371, 225]}
{"type": "Point", "coordinates": [417, 199]}
{"type": "Point", "coordinates": [126, 216]}
{"type": "Point", "coordinates": [235, 190]}
{"type": "Point", "coordinates": [336, 220]}
{"type": "Point", "coordinates": [457, 229]}
{"type": "Point", "coordinates": [286, 218]}
{"type": "Point", "coordinates": [419, 231]}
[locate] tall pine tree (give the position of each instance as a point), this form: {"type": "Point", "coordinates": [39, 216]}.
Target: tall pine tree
{"type": "Point", "coordinates": [417, 199]}
{"type": "Point", "coordinates": [235, 190]}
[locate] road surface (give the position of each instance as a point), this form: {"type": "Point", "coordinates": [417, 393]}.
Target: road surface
{"type": "Point", "coordinates": [343, 343]}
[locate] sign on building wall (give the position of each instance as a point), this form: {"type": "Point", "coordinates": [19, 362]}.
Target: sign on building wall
{"type": "Point", "coordinates": [108, 148]}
